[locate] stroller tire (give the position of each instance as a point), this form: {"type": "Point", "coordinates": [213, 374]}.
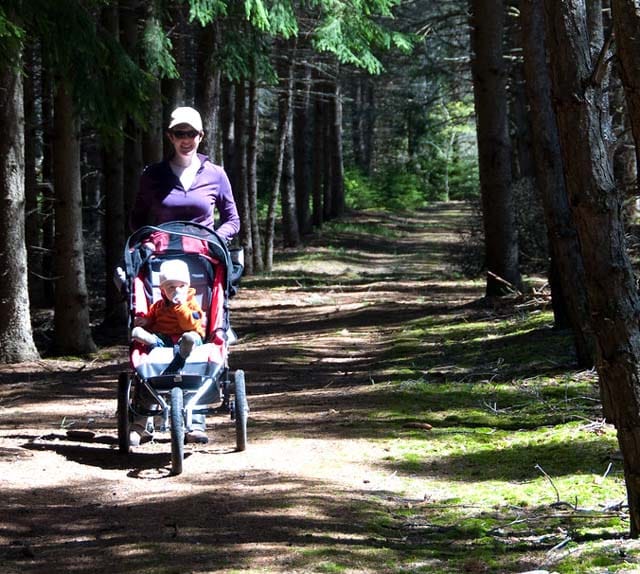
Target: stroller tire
{"type": "Point", "coordinates": [241, 410]}
{"type": "Point", "coordinates": [124, 414]}
{"type": "Point", "coordinates": [177, 430]}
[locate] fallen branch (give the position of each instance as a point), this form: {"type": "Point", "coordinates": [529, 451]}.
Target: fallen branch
{"type": "Point", "coordinates": [504, 282]}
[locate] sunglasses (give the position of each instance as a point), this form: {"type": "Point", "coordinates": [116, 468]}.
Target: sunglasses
{"type": "Point", "coordinates": [189, 134]}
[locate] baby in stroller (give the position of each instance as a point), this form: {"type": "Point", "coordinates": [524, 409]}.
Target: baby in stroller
{"type": "Point", "coordinates": [176, 318]}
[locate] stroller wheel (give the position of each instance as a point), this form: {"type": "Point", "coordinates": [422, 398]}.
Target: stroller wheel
{"type": "Point", "coordinates": [177, 430]}
{"type": "Point", "coordinates": [124, 414]}
{"type": "Point", "coordinates": [241, 411]}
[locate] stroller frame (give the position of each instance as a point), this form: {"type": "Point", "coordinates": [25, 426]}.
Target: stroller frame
{"type": "Point", "coordinates": [176, 397]}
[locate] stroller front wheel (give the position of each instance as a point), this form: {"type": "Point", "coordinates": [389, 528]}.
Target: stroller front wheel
{"type": "Point", "coordinates": [240, 410]}
{"type": "Point", "coordinates": [177, 430]}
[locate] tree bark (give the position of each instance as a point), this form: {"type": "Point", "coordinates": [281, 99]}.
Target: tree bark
{"type": "Point", "coordinates": [114, 208]}
{"type": "Point", "coordinates": [252, 175]}
{"type": "Point", "coordinates": [326, 163]}
{"type": "Point", "coordinates": [133, 160]}
{"type": "Point", "coordinates": [241, 191]}
{"type": "Point", "coordinates": [357, 122]}
{"type": "Point", "coordinates": [368, 132]}
{"type": "Point", "coordinates": [284, 126]}
{"type": "Point", "coordinates": [72, 324]}
{"type": "Point", "coordinates": [46, 187]}
{"type": "Point", "coordinates": [335, 145]}
{"type": "Point", "coordinates": [16, 338]}
{"type": "Point", "coordinates": [563, 241]}
{"type": "Point", "coordinates": [290, 231]}
{"type": "Point", "coordinates": [523, 162]}
{"type": "Point", "coordinates": [597, 210]}
{"type": "Point", "coordinates": [208, 92]}
{"type": "Point", "coordinates": [227, 127]}
{"type": "Point", "coordinates": [494, 149]}
{"type": "Point", "coordinates": [318, 175]}
{"type": "Point", "coordinates": [33, 215]}
{"type": "Point", "coordinates": [302, 149]}
{"type": "Point", "coordinates": [626, 23]}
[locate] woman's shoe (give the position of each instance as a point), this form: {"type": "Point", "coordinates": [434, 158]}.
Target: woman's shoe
{"type": "Point", "coordinates": [197, 437]}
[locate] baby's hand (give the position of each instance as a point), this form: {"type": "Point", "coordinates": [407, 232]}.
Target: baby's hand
{"type": "Point", "coordinates": [180, 295]}
{"type": "Point", "coordinates": [140, 320]}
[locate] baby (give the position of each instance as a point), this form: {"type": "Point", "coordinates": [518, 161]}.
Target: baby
{"type": "Point", "coordinates": [176, 318]}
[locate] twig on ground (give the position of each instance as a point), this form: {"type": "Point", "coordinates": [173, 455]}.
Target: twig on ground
{"type": "Point", "coordinates": [538, 467]}
{"type": "Point", "coordinates": [504, 282]}
{"type": "Point", "coordinates": [561, 544]}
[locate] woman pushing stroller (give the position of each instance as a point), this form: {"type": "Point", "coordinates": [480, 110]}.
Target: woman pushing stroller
{"type": "Point", "coordinates": [187, 186]}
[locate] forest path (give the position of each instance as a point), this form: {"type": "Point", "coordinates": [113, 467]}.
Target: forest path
{"type": "Point", "coordinates": [314, 344]}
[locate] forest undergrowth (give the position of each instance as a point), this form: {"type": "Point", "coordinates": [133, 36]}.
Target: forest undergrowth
{"type": "Point", "coordinates": [400, 422]}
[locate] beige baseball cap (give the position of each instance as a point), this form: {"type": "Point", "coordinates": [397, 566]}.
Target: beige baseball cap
{"type": "Point", "coordinates": [186, 115]}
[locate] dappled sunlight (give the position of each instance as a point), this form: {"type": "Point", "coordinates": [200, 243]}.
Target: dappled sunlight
{"type": "Point", "coordinates": [397, 420]}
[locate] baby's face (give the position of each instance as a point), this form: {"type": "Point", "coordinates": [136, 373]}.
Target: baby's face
{"type": "Point", "coordinates": [175, 290]}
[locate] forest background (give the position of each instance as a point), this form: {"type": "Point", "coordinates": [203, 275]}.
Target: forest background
{"type": "Point", "coordinates": [317, 107]}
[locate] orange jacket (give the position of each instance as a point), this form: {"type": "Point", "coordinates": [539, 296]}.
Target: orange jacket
{"type": "Point", "coordinates": [175, 319]}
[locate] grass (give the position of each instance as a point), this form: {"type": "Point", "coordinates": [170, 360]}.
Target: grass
{"type": "Point", "coordinates": [517, 467]}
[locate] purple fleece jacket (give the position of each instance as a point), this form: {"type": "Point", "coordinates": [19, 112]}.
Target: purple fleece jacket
{"type": "Point", "coordinates": [162, 198]}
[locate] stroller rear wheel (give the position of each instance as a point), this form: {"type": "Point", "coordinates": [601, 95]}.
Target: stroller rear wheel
{"type": "Point", "coordinates": [241, 410]}
{"type": "Point", "coordinates": [124, 413]}
{"type": "Point", "coordinates": [177, 430]}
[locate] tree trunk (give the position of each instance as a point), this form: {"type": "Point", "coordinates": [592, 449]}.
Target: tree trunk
{"type": "Point", "coordinates": [597, 210]}
{"type": "Point", "coordinates": [114, 208]}
{"type": "Point", "coordinates": [569, 297]}
{"type": "Point", "coordinates": [153, 136]}
{"type": "Point", "coordinates": [318, 175]}
{"type": "Point", "coordinates": [494, 150]}
{"type": "Point", "coordinates": [335, 145]}
{"type": "Point", "coordinates": [227, 127]}
{"type": "Point", "coordinates": [327, 162]}
{"type": "Point", "coordinates": [33, 218]}
{"type": "Point", "coordinates": [133, 160]}
{"type": "Point", "coordinates": [595, 26]}
{"type": "Point", "coordinates": [46, 187]}
{"type": "Point", "coordinates": [241, 191]}
{"type": "Point", "coordinates": [626, 23]}
{"type": "Point", "coordinates": [302, 149]}
{"type": "Point", "coordinates": [290, 231]}
{"type": "Point", "coordinates": [523, 163]}
{"type": "Point", "coordinates": [173, 89]}
{"type": "Point", "coordinates": [114, 236]}
{"type": "Point", "coordinates": [16, 338]}
{"type": "Point", "coordinates": [368, 131]}
{"type": "Point", "coordinates": [72, 325]}
{"type": "Point", "coordinates": [252, 176]}
{"type": "Point", "coordinates": [284, 124]}
{"type": "Point", "coordinates": [208, 92]}
{"type": "Point", "coordinates": [357, 122]}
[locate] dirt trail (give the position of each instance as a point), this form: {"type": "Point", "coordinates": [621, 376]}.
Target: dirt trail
{"type": "Point", "coordinates": [313, 472]}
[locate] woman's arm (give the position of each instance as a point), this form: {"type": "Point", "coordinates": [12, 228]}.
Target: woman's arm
{"type": "Point", "coordinates": [226, 206]}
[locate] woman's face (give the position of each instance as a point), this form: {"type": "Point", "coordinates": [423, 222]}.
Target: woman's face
{"type": "Point", "coordinates": [185, 140]}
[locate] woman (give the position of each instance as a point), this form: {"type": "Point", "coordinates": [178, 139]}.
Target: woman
{"type": "Point", "coordinates": [187, 186]}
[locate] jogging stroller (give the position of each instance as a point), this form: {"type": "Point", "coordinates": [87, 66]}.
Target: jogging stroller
{"type": "Point", "coordinates": [204, 385]}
